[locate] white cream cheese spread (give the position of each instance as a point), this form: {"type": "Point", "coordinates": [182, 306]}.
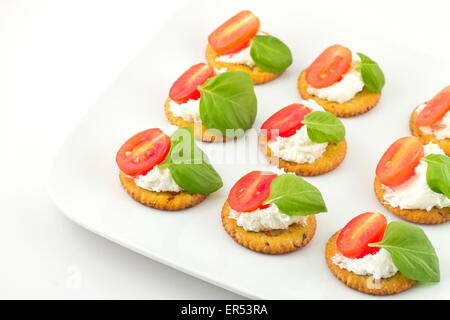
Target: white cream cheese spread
{"type": "Point", "coordinates": [298, 147]}
{"type": "Point", "coordinates": [189, 111]}
{"type": "Point", "coordinates": [415, 192]}
{"type": "Point", "coordinates": [341, 91]}
{"type": "Point", "coordinates": [241, 57]}
{"type": "Point", "coordinates": [266, 219]}
{"type": "Point", "coordinates": [378, 265]}
{"type": "Point", "coordinates": [158, 180]}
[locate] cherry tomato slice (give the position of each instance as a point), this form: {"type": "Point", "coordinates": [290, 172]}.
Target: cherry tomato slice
{"type": "Point", "coordinates": [244, 46]}
{"type": "Point", "coordinates": [250, 191]}
{"type": "Point", "coordinates": [329, 66]}
{"type": "Point", "coordinates": [139, 154]}
{"type": "Point", "coordinates": [288, 120]}
{"type": "Point", "coordinates": [235, 33]}
{"type": "Point", "coordinates": [354, 238]}
{"type": "Point", "coordinates": [185, 87]}
{"type": "Point", "coordinates": [435, 109]}
{"type": "Point", "coordinates": [398, 162]}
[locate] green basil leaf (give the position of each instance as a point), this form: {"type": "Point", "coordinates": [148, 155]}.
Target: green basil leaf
{"type": "Point", "coordinates": [371, 73]}
{"type": "Point", "coordinates": [295, 197]}
{"type": "Point", "coordinates": [228, 101]}
{"type": "Point", "coordinates": [411, 251]}
{"type": "Point", "coordinates": [196, 178]}
{"type": "Point", "coordinates": [438, 173]}
{"type": "Point", "coordinates": [189, 165]}
{"type": "Point", "coordinates": [270, 54]}
{"type": "Point", "coordinates": [324, 127]}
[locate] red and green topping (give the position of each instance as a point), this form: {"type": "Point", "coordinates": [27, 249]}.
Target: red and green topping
{"type": "Point", "coordinates": [227, 101]}
{"type": "Point", "coordinates": [398, 164]}
{"type": "Point", "coordinates": [321, 126]}
{"type": "Point", "coordinates": [335, 61]}
{"type": "Point", "coordinates": [291, 194]}
{"type": "Point", "coordinates": [269, 53]}
{"type": "Point", "coordinates": [188, 165]}
{"type": "Point", "coordinates": [410, 249]}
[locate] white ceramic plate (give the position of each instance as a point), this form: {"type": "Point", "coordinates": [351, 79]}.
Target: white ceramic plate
{"type": "Point", "coordinates": [84, 178]}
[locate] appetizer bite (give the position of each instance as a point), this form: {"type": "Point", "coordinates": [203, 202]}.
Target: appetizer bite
{"type": "Point", "coordinates": [272, 212]}
{"type": "Point", "coordinates": [239, 45]}
{"type": "Point", "coordinates": [430, 121]}
{"type": "Point", "coordinates": [375, 257]}
{"type": "Point", "coordinates": [303, 139]}
{"type": "Point", "coordinates": [413, 181]}
{"type": "Point", "coordinates": [217, 107]}
{"type": "Point", "coordinates": [341, 85]}
{"type": "Point", "coordinates": [168, 173]}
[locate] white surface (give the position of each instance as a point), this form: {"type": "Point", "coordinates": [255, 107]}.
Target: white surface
{"type": "Point", "coordinates": [194, 240]}
{"type": "Point", "coordinates": [56, 58]}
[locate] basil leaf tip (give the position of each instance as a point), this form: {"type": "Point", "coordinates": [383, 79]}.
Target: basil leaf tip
{"type": "Point", "coordinates": [411, 251]}
{"type": "Point", "coordinates": [371, 73]}
{"type": "Point", "coordinates": [324, 126]}
{"type": "Point", "coordinates": [294, 196]}
{"type": "Point", "coordinates": [270, 54]}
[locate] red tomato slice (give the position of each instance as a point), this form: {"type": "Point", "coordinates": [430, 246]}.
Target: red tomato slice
{"type": "Point", "coordinates": [288, 120]}
{"type": "Point", "coordinates": [244, 46]}
{"type": "Point", "coordinates": [329, 67]}
{"type": "Point", "coordinates": [354, 238]}
{"type": "Point", "coordinates": [398, 162]}
{"type": "Point", "coordinates": [143, 151]}
{"type": "Point", "coordinates": [185, 87]}
{"type": "Point", "coordinates": [235, 33]}
{"type": "Point", "coordinates": [250, 191]}
{"type": "Point", "coordinates": [435, 109]}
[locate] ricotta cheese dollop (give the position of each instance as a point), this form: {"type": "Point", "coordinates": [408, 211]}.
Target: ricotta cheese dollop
{"type": "Point", "coordinates": [342, 91]}
{"type": "Point", "coordinates": [241, 57]}
{"type": "Point", "coordinates": [158, 180]}
{"type": "Point", "coordinates": [378, 265]}
{"type": "Point", "coordinates": [415, 192]}
{"type": "Point", "coordinates": [189, 111]}
{"type": "Point", "coordinates": [270, 218]}
{"type": "Point", "coordinates": [441, 129]}
{"type": "Point", "coordinates": [298, 147]}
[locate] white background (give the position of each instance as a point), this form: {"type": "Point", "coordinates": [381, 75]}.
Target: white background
{"type": "Point", "coordinates": [56, 59]}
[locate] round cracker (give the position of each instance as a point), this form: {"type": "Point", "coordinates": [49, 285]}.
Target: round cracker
{"type": "Point", "coordinates": [160, 200]}
{"type": "Point", "coordinates": [258, 75]}
{"type": "Point", "coordinates": [200, 131]}
{"type": "Point", "coordinates": [434, 216]}
{"type": "Point", "coordinates": [444, 144]}
{"type": "Point", "coordinates": [330, 159]}
{"type": "Point", "coordinates": [362, 102]}
{"type": "Point", "coordinates": [293, 238]}
{"type": "Point", "coordinates": [367, 284]}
